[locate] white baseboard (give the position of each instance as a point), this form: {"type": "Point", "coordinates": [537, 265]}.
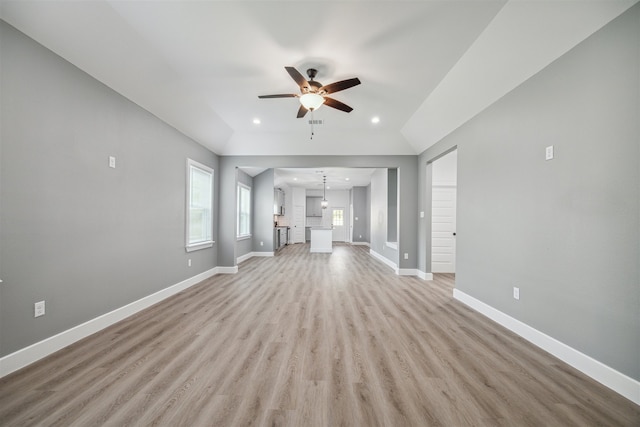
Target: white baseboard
{"type": "Point", "coordinates": [227, 270]}
{"type": "Point", "coordinates": [384, 260]}
{"type": "Point", "coordinates": [360, 243]}
{"type": "Point", "coordinates": [23, 357]}
{"type": "Point", "coordinates": [252, 254]}
{"type": "Point", "coordinates": [401, 271]}
{"type": "Point", "coordinates": [407, 271]}
{"type": "Point", "coordinates": [424, 276]}
{"type": "Point", "coordinates": [616, 381]}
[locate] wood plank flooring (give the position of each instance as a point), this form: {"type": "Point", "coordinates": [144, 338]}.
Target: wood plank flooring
{"type": "Point", "coordinates": [306, 339]}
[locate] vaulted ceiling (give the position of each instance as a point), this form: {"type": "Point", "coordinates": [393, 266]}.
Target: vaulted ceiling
{"type": "Point", "coordinates": [426, 67]}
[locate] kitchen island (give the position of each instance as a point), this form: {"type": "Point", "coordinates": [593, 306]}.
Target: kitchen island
{"type": "Point", "coordinates": [321, 239]}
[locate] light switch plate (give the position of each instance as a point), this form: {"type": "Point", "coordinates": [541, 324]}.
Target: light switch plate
{"type": "Point", "coordinates": [548, 153]}
{"type": "Point", "coordinates": [112, 162]}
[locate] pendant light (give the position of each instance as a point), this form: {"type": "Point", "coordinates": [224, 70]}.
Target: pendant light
{"type": "Point", "coordinates": [324, 203]}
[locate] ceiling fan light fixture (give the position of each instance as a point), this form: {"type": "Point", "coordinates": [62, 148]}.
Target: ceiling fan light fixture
{"type": "Point", "coordinates": [311, 101]}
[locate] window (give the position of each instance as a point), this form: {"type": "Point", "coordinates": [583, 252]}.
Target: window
{"type": "Point", "coordinates": [244, 211]}
{"type": "Point", "coordinates": [337, 217]}
{"type": "Point", "coordinates": [199, 206]}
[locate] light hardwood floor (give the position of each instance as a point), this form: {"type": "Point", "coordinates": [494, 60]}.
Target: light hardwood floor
{"type": "Point", "coordinates": [306, 339]}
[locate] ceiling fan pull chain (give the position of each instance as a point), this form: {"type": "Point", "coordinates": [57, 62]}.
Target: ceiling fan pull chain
{"type": "Point", "coordinates": [311, 124]}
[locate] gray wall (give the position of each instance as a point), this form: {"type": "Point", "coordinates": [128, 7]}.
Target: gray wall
{"type": "Point", "coordinates": [362, 211]}
{"type": "Point", "coordinates": [564, 231]}
{"type": "Point", "coordinates": [392, 205]}
{"type": "Point", "coordinates": [245, 246]}
{"type": "Point", "coordinates": [85, 238]}
{"type": "Point", "coordinates": [380, 216]}
{"type": "Point", "coordinates": [408, 165]}
{"type": "Point", "coordinates": [263, 214]}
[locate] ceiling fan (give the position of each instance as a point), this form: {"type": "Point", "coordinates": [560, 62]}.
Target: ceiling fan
{"type": "Point", "coordinates": [313, 94]}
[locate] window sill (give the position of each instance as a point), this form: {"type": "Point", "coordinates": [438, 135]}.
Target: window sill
{"type": "Point", "coordinates": [392, 245]}
{"type": "Point", "coordinates": [198, 246]}
{"type": "Point", "coordinates": [248, 236]}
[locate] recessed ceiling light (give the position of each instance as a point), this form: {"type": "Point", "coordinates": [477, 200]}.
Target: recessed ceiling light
{"type": "Point", "coordinates": [295, 179]}
{"type": "Point", "coordinates": [375, 119]}
{"type": "Point", "coordinates": [346, 179]}
{"type": "Point", "coordinates": [256, 121]}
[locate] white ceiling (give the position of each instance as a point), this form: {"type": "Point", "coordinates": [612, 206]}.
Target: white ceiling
{"type": "Point", "coordinates": [426, 66]}
{"type": "Point", "coordinates": [336, 178]}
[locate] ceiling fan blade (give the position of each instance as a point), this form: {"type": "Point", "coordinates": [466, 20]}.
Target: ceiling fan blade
{"type": "Point", "coordinates": [337, 104]}
{"type": "Point", "coordinates": [301, 112]}
{"type": "Point", "coordinates": [299, 78]}
{"type": "Point", "coordinates": [341, 85]}
{"type": "Point", "coordinates": [282, 95]}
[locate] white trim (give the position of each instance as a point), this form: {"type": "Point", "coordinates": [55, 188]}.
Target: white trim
{"type": "Point", "coordinates": [392, 245]}
{"type": "Point", "coordinates": [385, 260]}
{"type": "Point", "coordinates": [246, 256]}
{"type": "Point", "coordinates": [361, 243]}
{"type": "Point", "coordinates": [25, 356]}
{"type": "Point", "coordinates": [425, 276]}
{"type": "Point", "coordinates": [616, 381]}
{"type": "Point", "coordinates": [194, 246]}
{"type": "Point", "coordinates": [407, 271]}
{"type": "Point", "coordinates": [227, 270]}
{"type": "Point", "coordinates": [240, 186]}
{"type": "Point", "coordinates": [198, 246]}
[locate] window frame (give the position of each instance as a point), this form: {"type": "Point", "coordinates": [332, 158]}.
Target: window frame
{"type": "Point", "coordinates": [333, 217]}
{"type": "Point", "coordinates": [208, 241]}
{"type": "Point", "coordinates": [240, 187]}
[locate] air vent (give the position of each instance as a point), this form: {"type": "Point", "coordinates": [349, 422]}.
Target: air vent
{"type": "Point", "coordinates": [315, 122]}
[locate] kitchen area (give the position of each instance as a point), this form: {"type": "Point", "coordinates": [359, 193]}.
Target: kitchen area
{"type": "Point", "coordinates": [316, 215]}
{"type": "Point", "coordinates": [281, 228]}
{"type": "Point", "coordinates": [303, 212]}
{"type": "Point", "coordinates": [287, 208]}
{"type": "Point", "coordinates": [317, 233]}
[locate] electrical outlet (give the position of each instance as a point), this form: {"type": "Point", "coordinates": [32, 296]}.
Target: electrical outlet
{"type": "Point", "coordinates": [516, 293]}
{"type": "Point", "coordinates": [261, 243]}
{"type": "Point", "coordinates": [189, 262]}
{"type": "Point", "coordinates": [406, 255]}
{"type": "Point", "coordinates": [38, 309]}
{"type": "Point", "coordinates": [421, 214]}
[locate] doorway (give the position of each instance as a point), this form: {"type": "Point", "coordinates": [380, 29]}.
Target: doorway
{"type": "Point", "coordinates": [298, 225]}
{"type": "Point", "coordinates": [338, 224]}
{"type": "Point", "coordinates": [443, 213]}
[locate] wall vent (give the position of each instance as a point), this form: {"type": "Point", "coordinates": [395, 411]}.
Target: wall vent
{"type": "Point", "coordinates": [315, 122]}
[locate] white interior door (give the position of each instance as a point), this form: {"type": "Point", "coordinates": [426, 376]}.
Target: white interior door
{"type": "Point", "coordinates": [338, 224]}
{"type": "Point", "coordinates": [298, 225]}
{"type": "Point", "coordinates": [443, 230]}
